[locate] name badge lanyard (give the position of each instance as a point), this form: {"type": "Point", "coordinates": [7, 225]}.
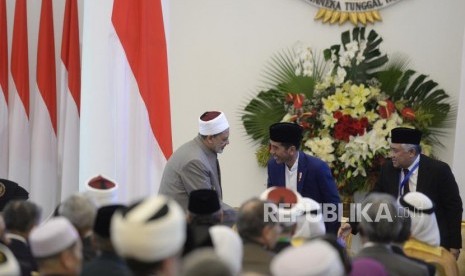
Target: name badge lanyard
{"type": "Point", "coordinates": [407, 177]}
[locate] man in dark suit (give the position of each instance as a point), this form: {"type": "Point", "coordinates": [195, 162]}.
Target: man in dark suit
{"type": "Point", "coordinates": [297, 171]}
{"type": "Point", "coordinates": [409, 170]}
{"type": "Point", "coordinates": [20, 218]}
{"type": "Point", "coordinates": [107, 262]}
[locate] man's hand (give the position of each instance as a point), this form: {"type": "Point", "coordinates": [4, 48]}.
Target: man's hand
{"type": "Point", "coordinates": [344, 230]}
{"type": "Point", "coordinates": [455, 252]}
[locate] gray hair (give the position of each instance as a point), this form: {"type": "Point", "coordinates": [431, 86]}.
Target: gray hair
{"type": "Point", "coordinates": [380, 223]}
{"type": "Point", "coordinates": [80, 210]}
{"type": "Point", "coordinates": [21, 215]}
{"type": "Point", "coordinates": [416, 148]}
{"type": "Point", "coordinates": [206, 262]}
{"type": "Point", "coordinates": [251, 219]}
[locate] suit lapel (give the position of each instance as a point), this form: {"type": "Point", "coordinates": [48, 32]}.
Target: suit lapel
{"type": "Point", "coordinates": [394, 178]}
{"type": "Point", "coordinates": [422, 178]}
{"type": "Point", "coordinates": [301, 171]}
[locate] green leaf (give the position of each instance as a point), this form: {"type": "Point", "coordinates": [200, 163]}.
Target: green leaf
{"type": "Point", "coordinates": [261, 112]}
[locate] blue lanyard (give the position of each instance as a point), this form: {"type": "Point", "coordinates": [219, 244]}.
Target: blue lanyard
{"type": "Point", "coordinates": [406, 177]}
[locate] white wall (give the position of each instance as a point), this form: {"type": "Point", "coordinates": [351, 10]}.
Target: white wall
{"type": "Point", "coordinates": [459, 149]}
{"type": "Point", "coordinates": [218, 49]}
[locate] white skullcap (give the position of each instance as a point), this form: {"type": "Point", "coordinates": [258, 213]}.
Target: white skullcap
{"type": "Point", "coordinates": [149, 231]}
{"type": "Point", "coordinates": [103, 190]}
{"type": "Point", "coordinates": [52, 237]}
{"type": "Point", "coordinates": [310, 222]}
{"type": "Point", "coordinates": [286, 200]}
{"type": "Point", "coordinates": [316, 257]}
{"type": "Point", "coordinates": [214, 126]}
{"type": "Point", "coordinates": [8, 263]}
{"type": "Point", "coordinates": [228, 246]}
{"type": "Point", "coordinates": [421, 210]}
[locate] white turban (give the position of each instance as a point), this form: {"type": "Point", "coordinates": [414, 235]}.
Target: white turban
{"type": "Point", "coordinates": [424, 225]}
{"type": "Point", "coordinates": [228, 246]}
{"type": "Point", "coordinates": [214, 126]}
{"type": "Point", "coordinates": [103, 190]}
{"type": "Point", "coordinates": [316, 257]}
{"type": "Point", "coordinates": [52, 237]}
{"type": "Point", "coordinates": [8, 265]}
{"type": "Point", "coordinates": [286, 201]}
{"type": "Point", "coordinates": [150, 231]}
{"type": "Point", "coordinates": [310, 222]}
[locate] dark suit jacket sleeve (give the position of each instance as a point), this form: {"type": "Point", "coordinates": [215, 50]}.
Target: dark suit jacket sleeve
{"type": "Point", "coordinates": [382, 185]}
{"type": "Point", "coordinates": [328, 192]}
{"type": "Point", "coordinates": [451, 202]}
{"type": "Point", "coordinates": [276, 175]}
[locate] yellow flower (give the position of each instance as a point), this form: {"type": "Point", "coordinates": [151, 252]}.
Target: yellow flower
{"type": "Point", "coordinates": [341, 98]}
{"type": "Point", "coordinates": [374, 91]}
{"type": "Point", "coordinates": [359, 109]}
{"type": "Point", "coordinates": [359, 94]}
{"type": "Point", "coordinates": [330, 105]}
{"type": "Point", "coordinates": [328, 120]}
{"type": "Point", "coordinates": [349, 111]}
{"type": "Point", "coordinates": [371, 116]}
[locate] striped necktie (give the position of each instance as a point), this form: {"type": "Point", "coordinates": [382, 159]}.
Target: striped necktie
{"type": "Point", "coordinates": [406, 181]}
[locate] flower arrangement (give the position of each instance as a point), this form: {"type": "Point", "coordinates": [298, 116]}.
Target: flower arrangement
{"type": "Point", "coordinates": [347, 104]}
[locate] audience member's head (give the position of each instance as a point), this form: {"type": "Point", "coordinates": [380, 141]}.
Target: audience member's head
{"type": "Point", "coordinates": [343, 255]}
{"type": "Point", "coordinates": [204, 207]}
{"type": "Point", "coordinates": [286, 201]}
{"type": "Point", "coordinates": [8, 263]}
{"type": "Point", "coordinates": [10, 190]}
{"type": "Point", "coordinates": [3, 238]}
{"type": "Point", "coordinates": [80, 210]}
{"type": "Point", "coordinates": [253, 225]}
{"type": "Point", "coordinates": [421, 210]}
{"type": "Point", "coordinates": [150, 235]}
{"type": "Point", "coordinates": [205, 262]}
{"type": "Point", "coordinates": [316, 257]}
{"type": "Point", "coordinates": [102, 190]}
{"type": "Point", "coordinates": [102, 226]}
{"type": "Point", "coordinates": [228, 246]}
{"type": "Point", "coordinates": [57, 247]}
{"type": "Point", "coordinates": [21, 217]}
{"type": "Point", "coordinates": [380, 222]}
{"type": "Point", "coordinates": [367, 267]}
{"type": "Point", "coordinates": [310, 222]}
{"type": "Point", "coordinates": [405, 230]}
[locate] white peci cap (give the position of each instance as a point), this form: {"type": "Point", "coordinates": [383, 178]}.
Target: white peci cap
{"type": "Point", "coordinates": [52, 237]}
{"type": "Point", "coordinates": [316, 257]}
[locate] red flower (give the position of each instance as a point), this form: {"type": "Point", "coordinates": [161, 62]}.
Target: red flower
{"type": "Point", "coordinates": [305, 124]}
{"type": "Point", "coordinates": [337, 115]}
{"type": "Point", "coordinates": [408, 113]}
{"type": "Point", "coordinates": [386, 111]}
{"type": "Point", "coordinates": [289, 98]}
{"type": "Point", "coordinates": [298, 100]}
{"type": "Point", "coordinates": [364, 122]}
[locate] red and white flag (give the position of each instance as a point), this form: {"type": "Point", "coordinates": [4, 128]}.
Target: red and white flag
{"type": "Point", "coordinates": [70, 98]}
{"type": "Point", "coordinates": [3, 92]}
{"type": "Point", "coordinates": [44, 167]}
{"type": "Point", "coordinates": [18, 102]}
{"type": "Point", "coordinates": [125, 114]}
